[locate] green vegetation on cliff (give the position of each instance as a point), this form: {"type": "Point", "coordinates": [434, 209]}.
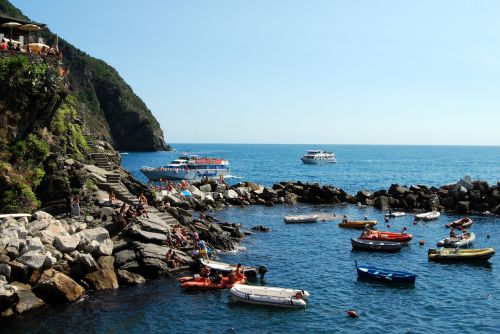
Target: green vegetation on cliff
{"type": "Point", "coordinates": [108, 106]}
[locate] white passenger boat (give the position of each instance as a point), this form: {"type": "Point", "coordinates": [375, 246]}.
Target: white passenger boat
{"type": "Point", "coordinates": [189, 168]}
{"type": "Point", "coordinates": [301, 219]}
{"type": "Point", "coordinates": [428, 215]}
{"type": "Point", "coordinates": [318, 157]}
{"type": "Point", "coordinates": [269, 296]}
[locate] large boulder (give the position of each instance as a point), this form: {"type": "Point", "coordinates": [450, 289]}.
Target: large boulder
{"type": "Point", "coordinates": [291, 198]}
{"type": "Point", "coordinates": [206, 188]}
{"type": "Point", "coordinates": [230, 194]}
{"type": "Point", "coordinates": [127, 278]}
{"type": "Point", "coordinates": [105, 276]}
{"type": "Point", "coordinates": [136, 232]}
{"type": "Point", "coordinates": [19, 271]}
{"type": "Point", "coordinates": [197, 193]}
{"type": "Point", "coordinates": [124, 256]}
{"type": "Point", "coordinates": [87, 261]}
{"type": "Point", "coordinates": [40, 215]}
{"type": "Point", "coordinates": [462, 207]}
{"type": "Point", "coordinates": [269, 194]}
{"type": "Point", "coordinates": [432, 202]}
{"type": "Point", "coordinates": [33, 259]}
{"type": "Point", "coordinates": [381, 203]}
{"type": "Point", "coordinates": [8, 294]}
{"type": "Point", "coordinates": [5, 270]}
{"type": "Point", "coordinates": [27, 299]}
{"type": "Point", "coordinates": [56, 287]}
{"type": "Point", "coordinates": [67, 243]}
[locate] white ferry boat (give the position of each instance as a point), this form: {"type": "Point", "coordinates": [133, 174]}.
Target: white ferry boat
{"type": "Point", "coordinates": [189, 168]}
{"type": "Point", "coordinates": [318, 157]}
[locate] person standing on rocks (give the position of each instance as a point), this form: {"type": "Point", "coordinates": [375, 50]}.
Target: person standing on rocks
{"type": "Point", "coordinates": [203, 250]}
{"type": "Point", "coordinates": [75, 207]}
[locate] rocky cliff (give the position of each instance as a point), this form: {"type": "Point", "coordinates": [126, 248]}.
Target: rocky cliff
{"type": "Point", "coordinates": [111, 109]}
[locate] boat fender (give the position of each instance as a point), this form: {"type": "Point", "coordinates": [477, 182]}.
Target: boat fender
{"type": "Point", "coordinates": [298, 295]}
{"type": "Point", "coordinates": [352, 313]}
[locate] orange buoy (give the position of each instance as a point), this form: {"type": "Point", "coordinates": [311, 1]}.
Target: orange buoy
{"type": "Point", "coordinates": [421, 242]}
{"type": "Point", "coordinates": [351, 313]}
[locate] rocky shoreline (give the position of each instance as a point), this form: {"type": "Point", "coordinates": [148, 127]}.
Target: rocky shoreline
{"type": "Point", "coordinates": [47, 259]}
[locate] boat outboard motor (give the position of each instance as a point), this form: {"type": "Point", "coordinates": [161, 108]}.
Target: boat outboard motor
{"type": "Point", "coordinates": [262, 271]}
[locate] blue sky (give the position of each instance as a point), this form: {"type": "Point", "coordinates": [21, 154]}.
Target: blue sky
{"type": "Point", "coordinates": [333, 72]}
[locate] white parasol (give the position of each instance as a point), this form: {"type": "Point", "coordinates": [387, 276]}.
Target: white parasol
{"type": "Point", "coordinates": [11, 25]}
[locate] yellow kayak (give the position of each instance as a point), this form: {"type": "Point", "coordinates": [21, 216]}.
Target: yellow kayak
{"type": "Point", "coordinates": [358, 224]}
{"type": "Point", "coordinates": [460, 255]}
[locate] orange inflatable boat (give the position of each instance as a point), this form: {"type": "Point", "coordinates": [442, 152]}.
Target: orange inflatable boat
{"type": "Point", "coordinates": [201, 283]}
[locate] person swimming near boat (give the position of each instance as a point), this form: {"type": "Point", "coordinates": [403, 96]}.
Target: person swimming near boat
{"type": "Point", "coordinates": [205, 273]}
{"type": "Point", "coordinates": [404, 230]}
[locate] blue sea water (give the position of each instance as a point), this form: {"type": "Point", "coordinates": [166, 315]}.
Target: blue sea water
{"type": "Point", "coordinates": [461, 298]}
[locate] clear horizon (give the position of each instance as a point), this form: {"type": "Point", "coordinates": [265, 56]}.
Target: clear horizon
{"type": "Point", "coordinates": [356, 73]}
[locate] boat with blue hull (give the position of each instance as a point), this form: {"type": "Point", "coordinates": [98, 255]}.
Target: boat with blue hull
{"type": "Point", "coordinates": [385, 275]}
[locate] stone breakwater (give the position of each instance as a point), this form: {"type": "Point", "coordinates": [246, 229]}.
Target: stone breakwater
{"type": "Point", "coordinates": [463, 197]}
{"type": "Point", "coordinates": [52, 260]}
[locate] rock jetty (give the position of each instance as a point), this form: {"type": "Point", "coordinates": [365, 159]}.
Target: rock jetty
{"type": "Point", "coordinates": [463, 197]}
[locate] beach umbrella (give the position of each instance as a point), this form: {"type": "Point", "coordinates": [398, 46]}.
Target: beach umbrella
{"type": "Point", "coordinates": [11, 25]}
{"type": "Point", "coordinates": [30, 28]}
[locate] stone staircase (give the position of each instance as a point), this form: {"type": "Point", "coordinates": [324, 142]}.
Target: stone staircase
{"type": "Point", "coordinates": [113, 183]}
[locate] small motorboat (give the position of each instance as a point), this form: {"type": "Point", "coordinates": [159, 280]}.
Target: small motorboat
{"type": "Point", "coordinates": [202, 283]}
{"type": "Point", "coordinates": [301, 219]}
{"type": "Point", "coordinates": [465, 222]}
{"type": "Point", "coordinates": [460, 255]}
{"type": "Point", "coordinates": [385, 236]}
{"type": "Point", "coordinates": [376, 245]}
{"type": "Point", "coordinates": [461, 240]}
{"type": "Point", "coordinates": [358, 224]}
{"type": "Point", "coordinates": [385, 275]}
{"type": "Point", "coordinates": [428, 215]}
{"type": "Point", "coordinates": [395, 214]}
{"type": "Point", "coordinates": [225, 268]}
{"type": "Point", "coordinates": [269, 296]}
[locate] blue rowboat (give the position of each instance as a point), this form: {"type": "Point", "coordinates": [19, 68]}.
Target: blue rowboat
{"type": "Point", "coordinates": [385, 275]}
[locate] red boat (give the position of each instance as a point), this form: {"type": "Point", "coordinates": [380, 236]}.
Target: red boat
{"type": "Point", "coordinates": [201, 283]}
{"type": "Point", "coordinates": [464, 222]}
{"type": "Point", "coordinates": [385, 236]}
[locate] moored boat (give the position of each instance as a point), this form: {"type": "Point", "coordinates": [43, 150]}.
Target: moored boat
{"type": "Point", "coordinates": [269, 296]}
{"type": "Point", "coordinates": [428, 215]}
{"type": "Point", "coordinates": [461, 240]}
{"type": "Point", "coordinates": [385, 236]}
{"type": "Point", "coordinates": [376, 245]}
{"type": "Point", "coordinates": [358, 224]}
{"type": "Point", "coordinates": [385, 275]}
{"type": "Point", "coordinates": [395, 214]}
{"type": "Point", "coordinates": [465, 222]}
{"type": "Point", "coordinates": [189, 167]}
{"type": "Point", "coordinates": [225, 268]}
{"type": "Point", "coordinates": [301, 219]}
{"type": "Point", "coordinates": [201, 283]}
{"type": "Point", "coordinates": [460, 255]}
